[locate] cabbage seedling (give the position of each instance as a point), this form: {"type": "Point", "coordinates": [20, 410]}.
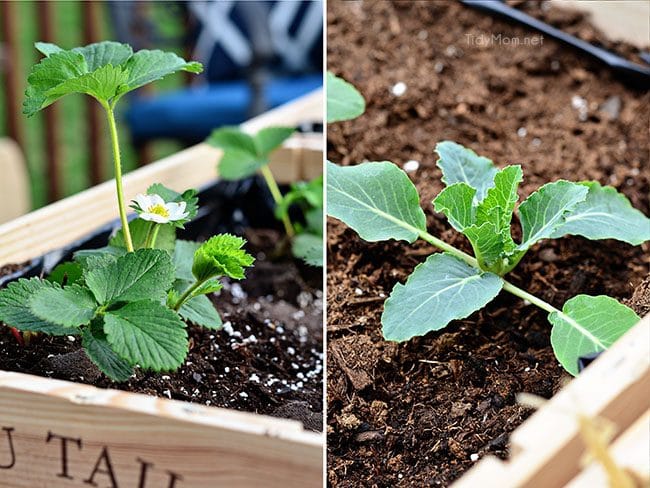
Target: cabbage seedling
{"type": "Point", "coordinates": [379, 202]}
{"type": "Point", "coordinates": [127, 300]}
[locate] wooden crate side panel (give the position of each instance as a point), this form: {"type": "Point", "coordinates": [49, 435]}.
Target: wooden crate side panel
{"type": "Point", "coordinates": [122, 434]}
{"type": "Point", "coordinates": [72, 218]}
{"type": "Point", "coordinates": [631, 451]}
{"type": "Point", "coordinates": [546, 449]}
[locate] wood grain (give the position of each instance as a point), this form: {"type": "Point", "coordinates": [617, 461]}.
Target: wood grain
{"type": "Point", "coordinates": [547, 448]}
{"type": "Point", "coordinates": [207, 447]}
{"type": "Point", "coordinates": [72, 218]}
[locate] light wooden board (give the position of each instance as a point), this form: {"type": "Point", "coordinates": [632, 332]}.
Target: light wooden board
{"type": "Point", "coordinates": [547, 448]}
{"type": "Point", "coordinates": [620, 20]}
{"type": "Point", "coordinates": [15, 197]}
{"type": "Point", "coordinates": [630, 452]}
{"type": "Point", "coordinates": [204, 447]}
{"type": "Point", "coordinates": [67, 220]}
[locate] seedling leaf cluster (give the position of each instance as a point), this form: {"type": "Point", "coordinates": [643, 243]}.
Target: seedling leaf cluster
{"type": "Point", "coordinates": [245, 154]}
{"type": "Point", "coordinates": [379, 201]}
{"type": "Point", "coordinates": [130, 300]}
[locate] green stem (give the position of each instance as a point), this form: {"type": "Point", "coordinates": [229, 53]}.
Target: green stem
{"type": "Point", "coordinates": [118, 176]}
{"type": "Point", "coordinates": [277, 197]}
{"type": "Point", "coordinates": [152, 235]}
{"type": "Point", "coordinates": [187, 294]}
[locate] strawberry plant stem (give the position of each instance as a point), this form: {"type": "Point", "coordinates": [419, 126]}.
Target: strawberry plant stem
{"type": "Point", "coordinates": [118, 176]}
{"type": "Point", "coordinates": [277, 197]}
{"type": "Point", "coordinates": [187, 294]}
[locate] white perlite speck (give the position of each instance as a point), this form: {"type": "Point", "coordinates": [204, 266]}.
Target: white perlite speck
{"type": "Point", "coordinates": [398, 89]}
{"type": "Point", "coordinates": [411, 165]}
{"type": "Point", "coordinates": [474, 457]}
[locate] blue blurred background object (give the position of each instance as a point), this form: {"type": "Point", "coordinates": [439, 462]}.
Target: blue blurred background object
{"type": "Point", "coordinates": [258, 55]}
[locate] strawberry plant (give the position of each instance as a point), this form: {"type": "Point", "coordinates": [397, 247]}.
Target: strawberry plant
{"type": "Point", "coordinates": [245, 154]}
{"type": "Point", "coordinates": [127, 301]}
{"type": "Point", "coordinates": [379, 202]}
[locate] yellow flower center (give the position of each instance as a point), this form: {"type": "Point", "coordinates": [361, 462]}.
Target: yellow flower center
{"type": "Point", "coordinates": [158, 210]}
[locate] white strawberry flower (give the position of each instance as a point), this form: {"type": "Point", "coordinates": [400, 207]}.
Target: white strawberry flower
{"type": "Point", "coordinates": [154, 209]}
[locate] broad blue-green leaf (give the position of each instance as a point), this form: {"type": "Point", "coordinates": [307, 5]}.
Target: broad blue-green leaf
{"type": "Point", "coordinates": [459, 164]}
{"type": "Point", "coordinates": [99, 351]}
{"type": "Point", "coordinates": [200, 311]}
{"type": "Point", "coordinates": [344, 102]}
{"type": "Point", "coordinates": [456, 202]}
{"type": "Point", "coordinates": [588, 325]}
{"type": "Point", "coordinates": [546, 209]}
{"type": "Point", "coordinates": [15, 310]}
{"type": "Point", "coordinates": [309, 248]}
{"type": "Point", "coordinates": [605, 214]}
{"type": "Point", "coordinates": [498, 205]}
{"type": "Point", "coordinates": [147, 333]}
{"type": "Point", "coordinates": [72, 306]}
{"type": "Point", "coordinates": [100, 54]}
{"type": "Point", "coordinates": [269, 139]}
{"type": "Point", "coordinates": [146, 66]}
{"type": "Point", "coordinates": [440, 290]}
{"type": "Point", "coordinates": [377, 200]}
{"type": "Point", "coordinates": [184, 258]}
{"type": "Point", "coordinates": [146, 274]}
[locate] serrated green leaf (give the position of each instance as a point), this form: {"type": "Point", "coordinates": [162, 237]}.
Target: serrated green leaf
{"type": "Point", "coordinates": [15, 310]}
{"type": "Point", "coordinates": [139, 228]}
{"type": "Point", "coordinates": [66, 274]}
{"type": "Point", "coordinates": [497, 207]}
{"type": "Point", "coordinates": [90, 259]}
{"type": "Point", "coordinates": [269, 139]}
{"type": "Point", "coordinates": [200, 311]}
{"type": "Point", "coordinates": [99, 351]}
{"type": "Point", "coordinates": [344, 102]}
{"type": "Point", "coordinates": [377, 200]}
{"type": "Point", "coordinates": [146, 66]}
{"type": "Point", "coordinates": [146, 274]}
{"type": "Point", "coordinates": [309, 248]}
{"type": "Point", "coordinates": [72, 306]}
{"type": "Point", "coordinates": [232, 137]}
{"type": "Point", "coordinates": [460, 164]}
{"type": "Point", "coordinates": [456, 202]}
{"type": "Point", "coordinates": [546, 209]}
{"type": "Point", "coordinates": [47, 48]}
{"type": "Point", "coordinates": [184, 258]}
{"type": "Point", "coordinates": [147, 333]}
{"type": "Point", "coordinates": [210, 286]}
{"type": "Point", "coordinates": [440, 290]}
{"type": "Point", "coordinates": [314, 218]}
{"type": "Point", "coordinates": [100, 54]}
{"type": "Point", "coordinates": [605, 214]}
{"type": "Point", "coordinates": [102, 84]}
{"type": "Point", "coordinates": [236, 164]}
{"type": "Point", "coordinates": [221, 255]}
{"type": "Point", "coordinates": [588, 324]}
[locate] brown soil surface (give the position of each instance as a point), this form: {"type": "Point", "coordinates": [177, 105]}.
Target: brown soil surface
{"type": "Point", "coordinates": [412, 414]}
{"type": "Point", "coordinates": [267, 359]}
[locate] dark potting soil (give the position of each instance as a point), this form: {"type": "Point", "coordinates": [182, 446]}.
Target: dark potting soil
{"type": "Point", "coordinates": [267, 359]}
{"type": "Point", "coordinates": [413, 414]}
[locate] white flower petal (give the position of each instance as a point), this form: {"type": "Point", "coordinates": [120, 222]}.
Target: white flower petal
{"type": "Point", "coordinates": [157, 200]}
{"type": "Point", "coordinates": [152, 217]}
{"type": "Point", "coordinates": [176, 210]}
{"type": "Point", "coordinates": [143, 201]}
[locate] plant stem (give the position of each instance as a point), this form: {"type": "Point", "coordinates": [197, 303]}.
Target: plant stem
{"type": "Point", "coordinates": [187, 294]}
{"type": "Point", "coordinates": [277, 197]}
{"type": "Point", "coordinates": [118, 176]}
{"type": "Point", "coordinates": [152, 235]}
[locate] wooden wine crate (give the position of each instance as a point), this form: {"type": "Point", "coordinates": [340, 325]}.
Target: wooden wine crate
{"type": "Point", "coordinates": [548, 451]}
{"type": "Point", "coordinates": [58, 434]}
